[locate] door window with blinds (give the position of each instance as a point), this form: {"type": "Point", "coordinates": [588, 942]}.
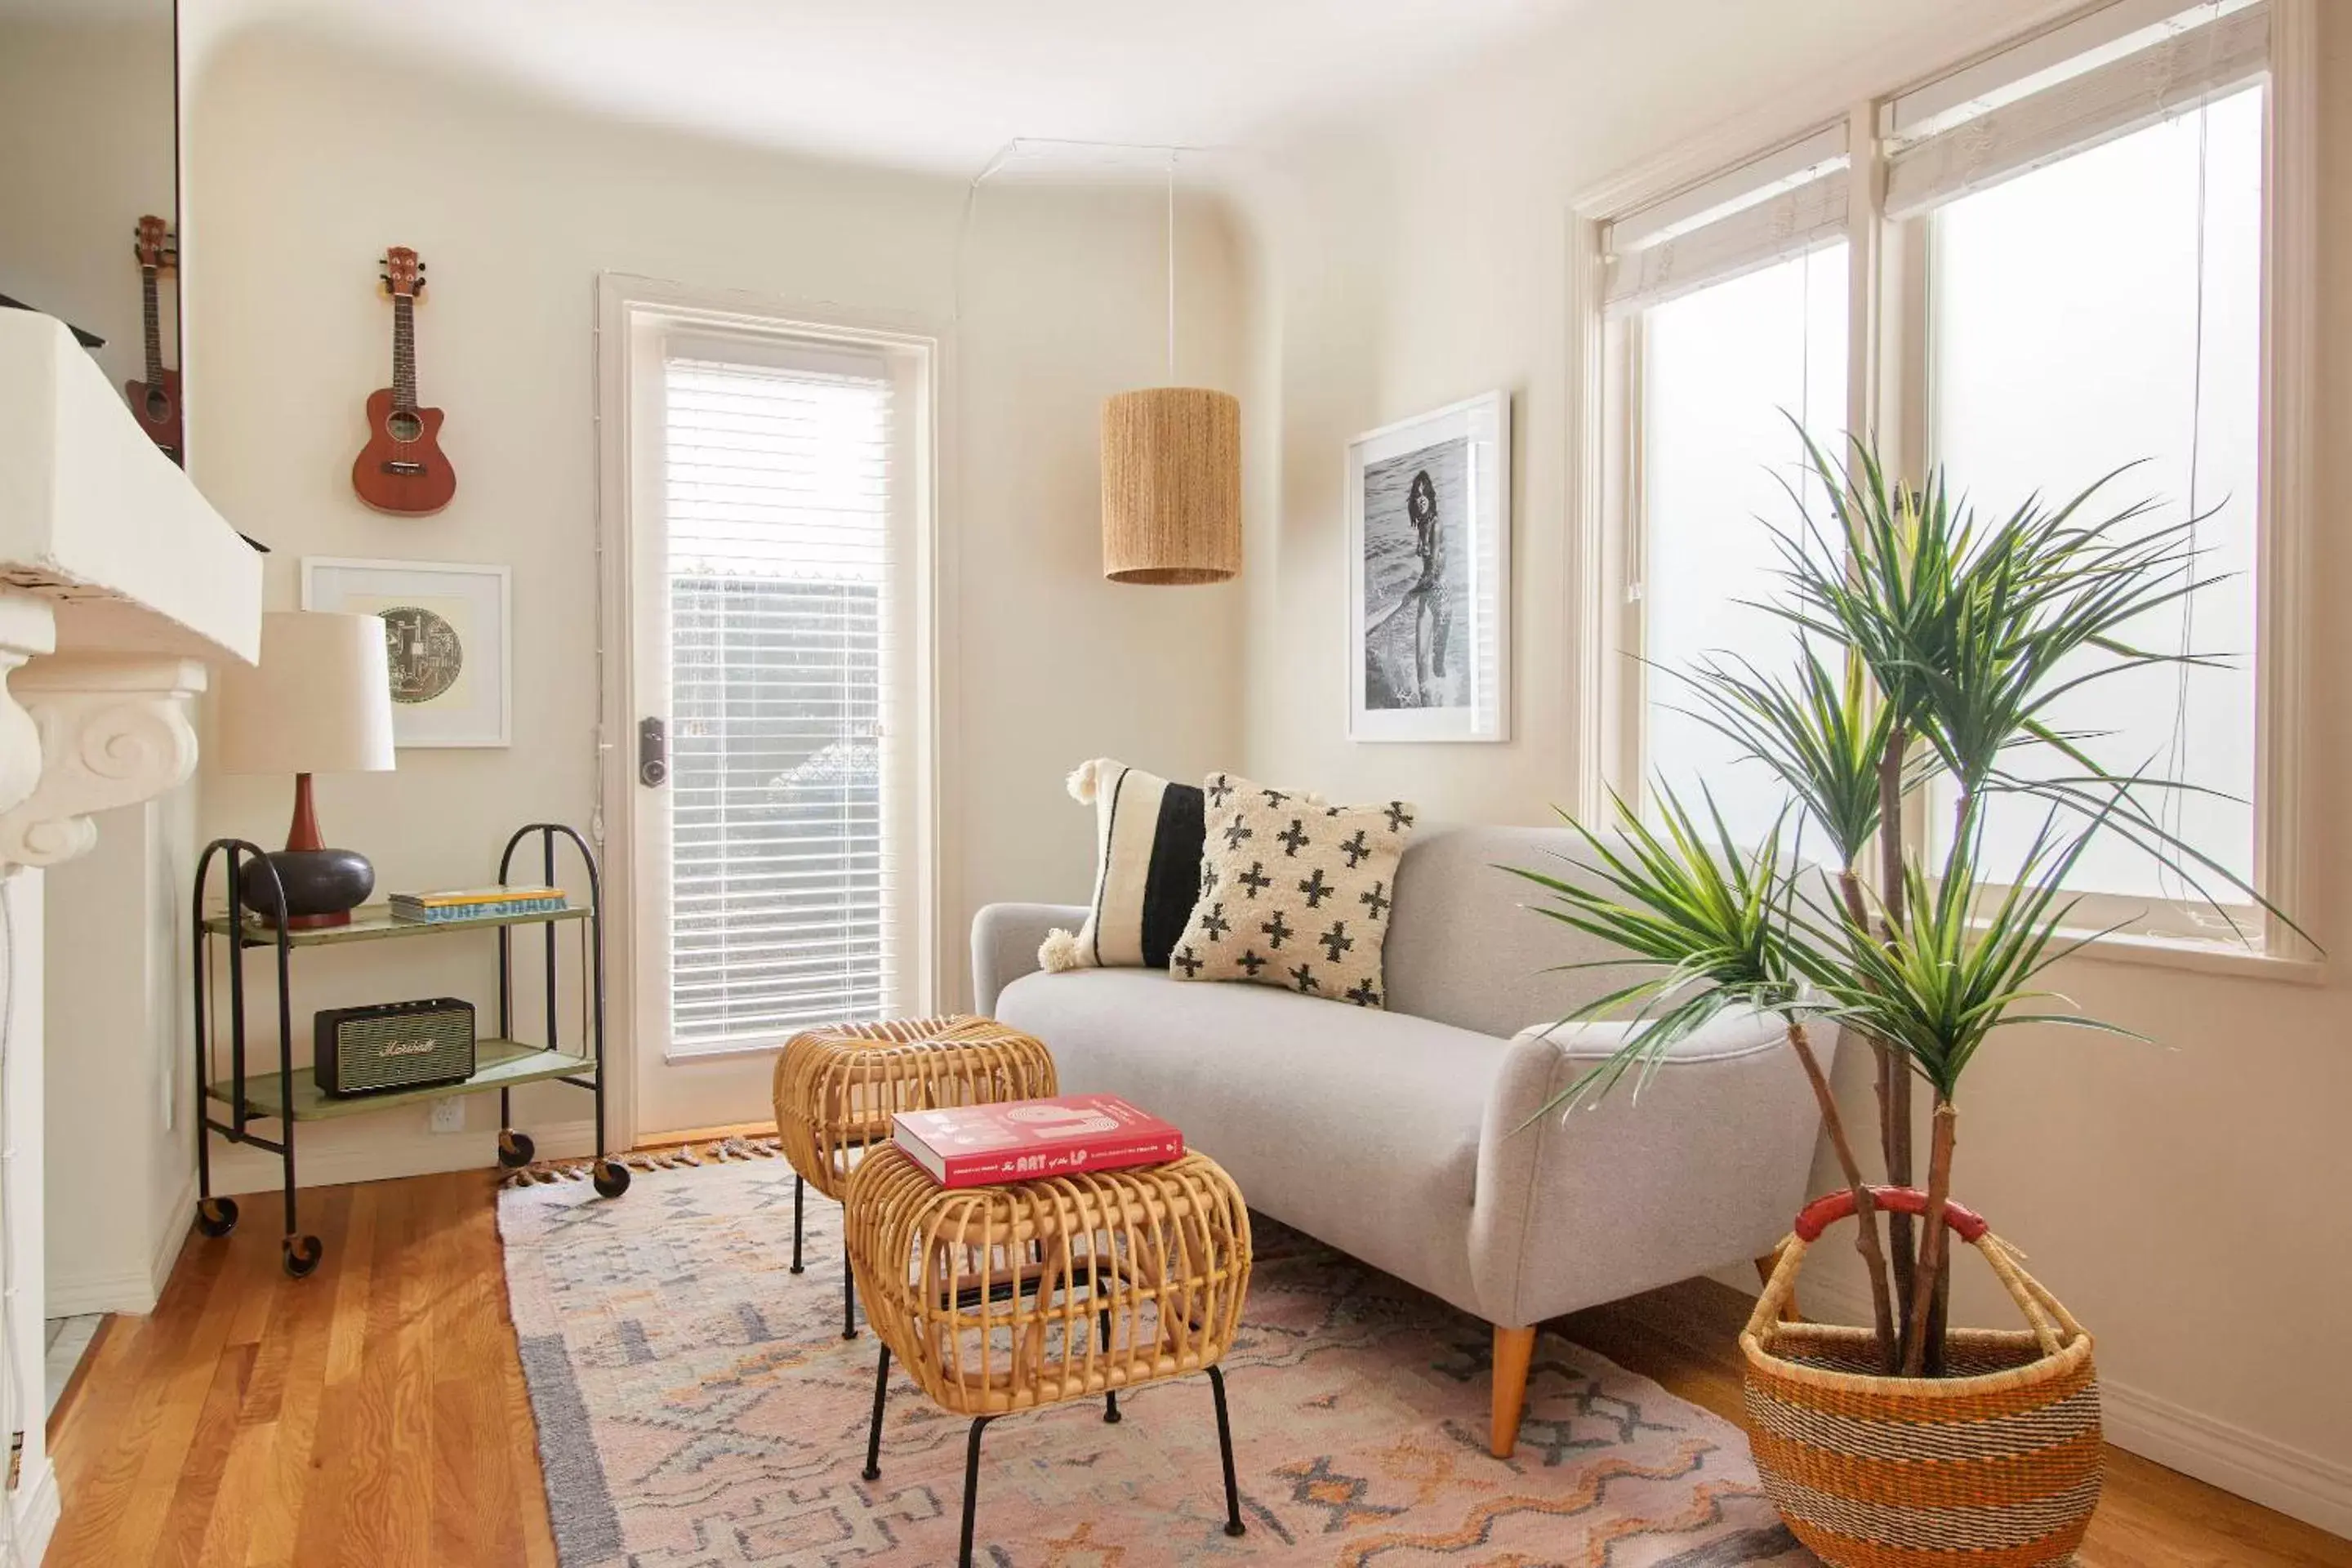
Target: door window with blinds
{"type": "Point", "coordinates": [785, 548]}
{"type": "Point", "coordinates": [2073, 249]}
{"type": "Point", "coordinates": [1728, 306]}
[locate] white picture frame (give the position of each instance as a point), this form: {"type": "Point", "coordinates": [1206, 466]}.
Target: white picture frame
{"type": "Point", "coordinates": [452, 682]}
{"type": "Point", "coordinates": [1429, 576]}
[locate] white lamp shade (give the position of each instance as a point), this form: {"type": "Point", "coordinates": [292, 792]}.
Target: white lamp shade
{"type": "Point", "coordinates": [319, 702]}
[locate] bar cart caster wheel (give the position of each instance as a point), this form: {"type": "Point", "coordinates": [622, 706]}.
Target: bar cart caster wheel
{"type": "Point", "coordinates": [516, 1150]}
{"type": "Point", "coordinates": [612, 1178]}
{"type": "Point", "coordinates": [302, 1255]}
{"type": "Point", "coordinates": [216, 1216]}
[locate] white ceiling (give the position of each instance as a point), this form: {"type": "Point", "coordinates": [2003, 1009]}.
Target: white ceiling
{"type": "Point", "coordinates": [943, 83]}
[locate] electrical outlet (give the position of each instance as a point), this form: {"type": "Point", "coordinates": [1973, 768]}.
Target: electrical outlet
{"type": "Point", "coordinates": [449, 1113]}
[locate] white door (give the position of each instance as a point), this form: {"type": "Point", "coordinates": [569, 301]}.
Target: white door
{"type": "Point", "coordinates": [774, 644]}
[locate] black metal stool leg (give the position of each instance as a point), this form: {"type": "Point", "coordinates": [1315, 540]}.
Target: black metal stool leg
{"type": "Point", "coordinates": [1233, 1525]}
{"type": "Point", "coordinates": [1110, 1397]}
{"type": "Point", "coordinates": [848, 1294]}
{"type": "Point", "coordinates": [873, 1432]}
{"type": "Point", "coordinates": [799, 1193]}
{"type": "Point", "coordinates": [971, 1486]}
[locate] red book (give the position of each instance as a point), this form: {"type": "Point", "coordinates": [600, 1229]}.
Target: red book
{"type": "Point", "coordinates": [1027, 1139]}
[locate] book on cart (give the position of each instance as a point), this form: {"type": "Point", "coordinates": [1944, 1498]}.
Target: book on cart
{"type": "Point", "coordinates": [1028, 1140]}
{"type": "Point", "coordinates": [476, 904]}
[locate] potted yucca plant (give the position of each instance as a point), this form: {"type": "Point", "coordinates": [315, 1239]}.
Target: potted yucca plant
{"type": "Point", "coordinates": [1928, 647]}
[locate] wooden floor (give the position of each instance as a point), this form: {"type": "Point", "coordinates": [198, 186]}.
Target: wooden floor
{"type": "Point", "coordinates": [373, 1415]}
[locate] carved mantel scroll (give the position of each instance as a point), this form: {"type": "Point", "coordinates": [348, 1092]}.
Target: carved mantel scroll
{"type": "Point", "coordinates": [113, 730]}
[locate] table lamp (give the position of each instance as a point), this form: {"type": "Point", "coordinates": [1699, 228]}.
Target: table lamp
{"type": "Point", "coordinates": [319, 702]}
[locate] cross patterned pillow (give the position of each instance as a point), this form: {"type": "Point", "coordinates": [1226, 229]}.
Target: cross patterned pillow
{"type": "Point", "coordinates": [1293, 892]}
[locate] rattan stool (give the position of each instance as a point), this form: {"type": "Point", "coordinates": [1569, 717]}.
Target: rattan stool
{"type": "Point", "coordinates": [1002, 1298]}
{"type": "Point", "coordinates": [837, 1088]}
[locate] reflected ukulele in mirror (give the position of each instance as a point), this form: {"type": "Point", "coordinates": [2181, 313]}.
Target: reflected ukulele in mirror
{"type": "Point", "coordinates": [156, 400]}
{"type": "Point", "coordinates": [401, 470]}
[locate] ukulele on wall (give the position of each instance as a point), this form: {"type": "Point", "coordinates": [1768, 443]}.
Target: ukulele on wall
{"type": "Point", "coordinates": [401, 470]}
{"type": "Point", "coordinates": [156, 400]}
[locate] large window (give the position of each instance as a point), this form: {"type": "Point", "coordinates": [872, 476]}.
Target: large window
{"type": "Point", "coordinates": [2071, 246]}
{"type": "Point", "coordinates": [2105, 309]}
{"type": "Point", "coordinates": [1728, 308]}
{"type": "Point", "coordinates": [1727, 371]}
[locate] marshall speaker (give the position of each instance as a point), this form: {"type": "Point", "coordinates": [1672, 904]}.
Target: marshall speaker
{"type": "Point", "coordinates": [393, 1045]}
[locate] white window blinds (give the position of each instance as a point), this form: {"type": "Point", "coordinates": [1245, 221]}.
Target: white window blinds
{"type": "Point", "coordinates": [1782, 205]}
{"type": "Point", "coordinates": [2117, 70]}
{"type": "Point", "coordinates": [782, 557]}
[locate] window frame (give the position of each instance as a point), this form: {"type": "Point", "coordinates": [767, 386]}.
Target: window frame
{"type": "Point", "coordinates": [1887, 388]}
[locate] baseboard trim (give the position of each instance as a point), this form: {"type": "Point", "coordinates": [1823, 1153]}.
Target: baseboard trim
{"type": "Point", "coordinates": [35, 1509]}
{"type": "Point", "coordinates": [2301, 1485]}
{"type": "Point", "coordinates": [173, 1235]}
{"type": "Point", "coordinates": [130, 1290]}
{"type": "Point", "coordinates": [240, 1171]}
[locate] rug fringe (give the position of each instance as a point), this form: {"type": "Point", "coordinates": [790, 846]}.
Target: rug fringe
{"type": "Point", "coordinates": [681, 1156]}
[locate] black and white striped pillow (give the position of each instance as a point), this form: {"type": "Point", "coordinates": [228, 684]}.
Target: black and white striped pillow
{"type": "Point", "coordinates": [1147, 835]}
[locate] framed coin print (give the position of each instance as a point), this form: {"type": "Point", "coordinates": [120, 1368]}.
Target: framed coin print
{"type": "Point", "coordinates": [448, 639]}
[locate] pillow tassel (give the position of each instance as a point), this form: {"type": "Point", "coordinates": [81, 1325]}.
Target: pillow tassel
{"type": "Point", "coordinates": [1083, 783]}
{"type": "Point", "coordinates": [1061, 950]}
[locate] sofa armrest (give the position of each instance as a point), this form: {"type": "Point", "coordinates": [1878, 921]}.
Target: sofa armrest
{"type": "Point", "coordinates": [1703, 1165]}
{"type": "Point", "coordinates": [1005, 942]}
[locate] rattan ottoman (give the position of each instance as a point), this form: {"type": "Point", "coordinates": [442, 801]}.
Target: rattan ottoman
{"type": "Point", "coordinates": [837, 1088]}
{"type": "Point", "coordinates": [1003, 1298]}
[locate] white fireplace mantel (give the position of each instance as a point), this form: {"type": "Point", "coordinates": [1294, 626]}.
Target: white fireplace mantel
{"type": "Point", "coordinates": [117, 582]}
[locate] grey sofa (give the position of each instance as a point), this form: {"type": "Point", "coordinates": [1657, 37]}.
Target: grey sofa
{"type": "Point", "coordinates": [1398, 1137]}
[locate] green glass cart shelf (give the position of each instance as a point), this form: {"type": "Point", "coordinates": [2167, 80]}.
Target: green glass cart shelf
{"type": "Point", "coordinates": [373, 922]}
{"type": "Point", "coordinates": [500, 1064]}
{"type": "Point", "coordinates": [288, 1096]}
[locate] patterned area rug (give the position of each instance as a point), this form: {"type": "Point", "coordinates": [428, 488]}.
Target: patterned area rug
{"type": "Point", "coordinates": [697, 1406]}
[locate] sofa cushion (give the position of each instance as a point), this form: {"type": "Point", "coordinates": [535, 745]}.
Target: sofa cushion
{"type": "Point", "coordinates": [1465, 949]}
{"type": "Point", "coordinates": [1146, 868]}
{"type": "Point", "coordinates": [1357, 1126]}
{"type": "Point", "coordinates": [1294, 893]}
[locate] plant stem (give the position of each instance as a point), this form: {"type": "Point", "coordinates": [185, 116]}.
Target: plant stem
{"type": "Point", "coordinates": [1883, 1063]}
{"type": "Point", "coordinates": [1935, 1243]}
{"type": "Point", "coordinates": [1865, 1213]}
{"type": "Point", "coordinates": [1895, 1116]}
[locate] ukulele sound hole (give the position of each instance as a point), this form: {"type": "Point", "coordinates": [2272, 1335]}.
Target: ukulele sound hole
{"type": "Point", "coordinates": [159, 408]}
{"type": "Point", "coordinates": [404, 426]}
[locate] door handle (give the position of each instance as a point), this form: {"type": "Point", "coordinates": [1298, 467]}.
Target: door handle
{"type": "Point", "coordinates": [653, 754]}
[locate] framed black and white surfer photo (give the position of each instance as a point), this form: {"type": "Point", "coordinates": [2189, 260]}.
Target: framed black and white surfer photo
{"type": "Point", "coordinates": [1429, 591]}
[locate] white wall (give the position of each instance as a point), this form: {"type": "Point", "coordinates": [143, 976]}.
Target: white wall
{"type": "Point", "coordinates": [307, 160]}
{"type": "Point", "coordinates": [120, 1110]}
{"type": "Point", "coordinates": [2184, 1200]}
{"type": "Point", "coordinates": [86, 148]}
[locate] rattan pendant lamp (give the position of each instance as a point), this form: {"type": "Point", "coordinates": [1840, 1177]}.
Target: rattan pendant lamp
{"type": "Point", "coordinates": [1171, 471]}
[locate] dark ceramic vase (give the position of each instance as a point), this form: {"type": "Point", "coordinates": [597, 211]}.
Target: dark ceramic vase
{"type": "Point", "coordinates": [323, 885]}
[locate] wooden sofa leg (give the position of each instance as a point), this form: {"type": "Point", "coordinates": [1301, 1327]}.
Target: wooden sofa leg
{"type": "Point", "coordinates": [1514, 1348]}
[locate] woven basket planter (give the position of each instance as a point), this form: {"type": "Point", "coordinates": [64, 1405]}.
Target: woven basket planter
{"type": "Point", "coordinates": [1996, 1467]}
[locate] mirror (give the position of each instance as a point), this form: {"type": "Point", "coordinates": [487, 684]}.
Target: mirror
{"type": "Point", "coordinates": [89, 187]}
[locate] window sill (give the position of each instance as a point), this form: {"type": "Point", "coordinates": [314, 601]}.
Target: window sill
{"type": "Point", "coordinates": [2200, 957]}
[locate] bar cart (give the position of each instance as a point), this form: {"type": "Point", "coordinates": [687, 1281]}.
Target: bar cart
{"type": "Point", "coordinates": [288, 1096]}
